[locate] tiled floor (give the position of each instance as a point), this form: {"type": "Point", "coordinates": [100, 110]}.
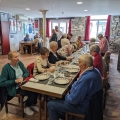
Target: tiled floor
{"type": "Point", "coordinates": [111, 112]}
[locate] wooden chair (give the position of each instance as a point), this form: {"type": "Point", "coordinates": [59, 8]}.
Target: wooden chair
{"type": "Point", "coordinates": [105, 88]}
{"type": "Point", "coordinates": [95, 108]}
{"type": "Point", "coordinates": [21, 104]}
{"type": "Point", "coordinates": [76, 115]}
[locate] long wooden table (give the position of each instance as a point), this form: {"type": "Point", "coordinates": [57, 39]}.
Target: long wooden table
{"type": "Point", "coordinates": [47, 90]}
{"type": "Point", "coordinates": [22, 44]}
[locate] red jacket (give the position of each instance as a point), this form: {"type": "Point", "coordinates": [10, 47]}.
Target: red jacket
{"type": "Point", "coordinates": [98, 62]}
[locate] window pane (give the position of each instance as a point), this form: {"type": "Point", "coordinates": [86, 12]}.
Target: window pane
{"type": "Point", "coordinates": [63, 27]}
{"type": "Point", "coordinates": [54, 24]}
{"type": "Point", "coordinates": [93, 29]}
{"type": "Point", "coordinates": [102, 27]}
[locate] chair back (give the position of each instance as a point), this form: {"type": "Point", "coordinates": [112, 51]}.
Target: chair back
{"type": "Point", "coordinates": [95, 110]}
{"type": "Point", "coordinates": [3, 97]}
{"type": "Point", "coordinates": [30, 68]}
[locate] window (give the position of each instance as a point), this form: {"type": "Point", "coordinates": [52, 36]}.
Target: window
{"type": "Point", "coordinates": [63, 25]}
{"type": "Point", "coordinates": [97, 25]}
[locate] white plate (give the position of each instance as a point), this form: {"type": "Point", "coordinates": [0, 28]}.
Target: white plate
{"type": "Point", "coordinates": [72, 70]}
{"type": "Point", "coordinates": [61, 81]}
{"type": "Point", "coordinates": [42, 76]}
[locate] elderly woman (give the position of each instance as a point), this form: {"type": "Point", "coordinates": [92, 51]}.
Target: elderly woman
{"type": "Point", "coordinates": [66, 50]}
{"type": "Point", "coordinates": [41, 63]}
{"type": "Point", "coordinates": [53, 55]}
{"type": "Point", "coordinates": [77, 100]}
{"type": "Point", "coordinates": [79, 43]}
{"type": "Point", "coordinates": [12, 76]}
{"type": "Point", "coordinates": [64, 40]}
{"type": "Point", "coordinates": [95, 52]}
{"type": "Point", "coordinates": [103, 44]}
{"type": "Point", "coordinates": [92, 41]}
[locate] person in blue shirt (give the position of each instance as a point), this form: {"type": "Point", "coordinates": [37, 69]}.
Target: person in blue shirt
{"type": "Point", "coordinates": [77, 99]}
{"type": "Point", "coordinates": [27, 38]}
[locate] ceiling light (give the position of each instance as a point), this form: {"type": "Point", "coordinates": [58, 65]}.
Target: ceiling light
{"type": "Point", "coordinates": [79, 3]}
{"type": "Point", "coordinates": [85, 10]}
{"type": "Point", "coordinates": [27, 8]}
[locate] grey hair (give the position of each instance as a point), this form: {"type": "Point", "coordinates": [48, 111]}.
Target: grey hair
{"type": "Point", "coordinates": [95, 48]}
{"type": "Point", "coordinates": [10, 54]}
{"type": "Point", "coordinates": [92, 40]}
{"type": "Point", "coordinates": [53, 43]}
{"type": "Point", "coordinates": [87, 59]}
{"type": "Point", "coordinates": [64, 35]}
{"type": "Point", "coordinates": [100, 36]}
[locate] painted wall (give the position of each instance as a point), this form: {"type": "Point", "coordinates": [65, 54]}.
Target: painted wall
{"type": "Point", "coordinates": [19, 36]}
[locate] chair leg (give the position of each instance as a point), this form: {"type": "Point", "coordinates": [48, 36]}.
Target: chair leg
{"type": "Point", "coordinates": [66, 116]}
{"type": "Point", "coordinates": [18, 99]}
{"type": "Point", "coordinates": [6, 107]}
{"type": "Point", "coordinates": [22, 106]}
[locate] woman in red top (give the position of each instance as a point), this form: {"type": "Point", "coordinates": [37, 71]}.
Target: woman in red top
{"type": "Point", "coordinates": [95, 52]}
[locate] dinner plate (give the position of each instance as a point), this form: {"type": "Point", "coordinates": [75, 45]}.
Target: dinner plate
{"type": "Point", "coordinates": [61, 81]}
{"type": "Point", "coordinates": [72, 70]}
{"type": "Point", "coordinates": [42, 76]}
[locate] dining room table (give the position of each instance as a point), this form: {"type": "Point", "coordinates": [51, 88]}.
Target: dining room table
{"type": "Point", "coordinates": [28, 43]}
{"type": "Point", "coordinates": [52, 86]}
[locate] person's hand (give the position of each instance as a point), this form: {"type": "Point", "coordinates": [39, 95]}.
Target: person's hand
{"type": "Point", "coordinates": [19, 80]}
{"type": "Point", "coordinates": [69, 59]}
{"type": "Point", "coordinates": [51, 69]}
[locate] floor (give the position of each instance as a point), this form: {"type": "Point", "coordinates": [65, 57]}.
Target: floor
{"type": "Point", "coordinates": [111, 112]}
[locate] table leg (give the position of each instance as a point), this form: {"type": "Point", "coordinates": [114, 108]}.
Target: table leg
{"type": "Point", "coordinates": [31, 49]}
{"type": "Point", "coordinates": [45, 107]}
{"type": "Point", "coordinates": [39, 105]}
{"type": "Point", "coordinates": [22, 50]}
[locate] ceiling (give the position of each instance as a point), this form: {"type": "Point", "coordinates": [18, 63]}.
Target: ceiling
{"type": "Point", "coordinates": [61, 8]}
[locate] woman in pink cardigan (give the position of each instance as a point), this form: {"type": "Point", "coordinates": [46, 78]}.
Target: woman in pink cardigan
{"type": "Point", "coordinates": [103, 44]}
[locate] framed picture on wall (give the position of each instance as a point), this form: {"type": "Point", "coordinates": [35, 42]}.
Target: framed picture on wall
{"type": "Point", "coordinates": [12, 26]}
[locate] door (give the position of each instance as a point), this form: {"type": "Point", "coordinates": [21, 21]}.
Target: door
{"type": "Point", "coordinates": [5, 37]}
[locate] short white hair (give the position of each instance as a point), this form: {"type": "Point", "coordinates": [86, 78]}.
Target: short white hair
{"type": "Point", "coordinates": [64, 35]}
{"type": "Point", "coordinates": [95, 48]}
{"type": "Point", "coordinates": [53, 43]}
{"type": "Point", "coordinates": [86, 59]}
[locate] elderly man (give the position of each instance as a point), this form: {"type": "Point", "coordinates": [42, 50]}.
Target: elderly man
{"type": "Point", "coordinates": [64, 40]}
{"type": "Point", "coordinates": [27, 38]}
{"type": "Point", "coordinates": [54, 36]}
{"type": "Point", "coordinates": [53, 55]}
{"type": "Point", "coordinates": [103, 44]}
{"type": "Point", "coordinates": [58, 32]}
{"type": "Point", "coordinates": [95, 52]}
{"type": "Point", "coordinates": [77, 100]}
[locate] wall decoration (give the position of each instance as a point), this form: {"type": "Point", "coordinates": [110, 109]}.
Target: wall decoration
{"type": "Point", "coordinates": [12, 26]}
{"type": "Point", "coordinates": [30, 28]}
{"type": "Point", "coordinates": [19, 25]}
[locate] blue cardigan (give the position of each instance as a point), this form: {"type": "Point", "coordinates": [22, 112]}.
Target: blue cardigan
{"type": "Point", "coordinates": [81, 91]}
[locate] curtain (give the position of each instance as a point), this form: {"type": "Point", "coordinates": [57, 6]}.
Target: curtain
{"type": "Point", "coordinates": [47, 27]}
{"type": "Point", "coordinates": [69, 28]}
{"type": "Point", "coordinates": [107, 31]}
{"type": "Point", "coordinates": [87, 30]}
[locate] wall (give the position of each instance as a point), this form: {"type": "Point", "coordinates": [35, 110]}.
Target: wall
{"type": "Point", "coordinates": [16, 38]}
{"type": "Point", "coordinates": [78, 28]}
{"type": "Point", "coordinates": [115, 34]}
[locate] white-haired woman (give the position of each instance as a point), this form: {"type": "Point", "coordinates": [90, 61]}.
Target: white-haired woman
{"type": "Point", "coordinates": [77, 100]}
{"type": "Point", "coordinates": [12, 76]}
{"type": "Point", "coordinates": [66, 50]}
{"type": "Point", "coordinates": [53, 55]}
{"type": "Point", "coordinates": [95, 52]}
{"type": "Point", "coordinates": [64, 40]}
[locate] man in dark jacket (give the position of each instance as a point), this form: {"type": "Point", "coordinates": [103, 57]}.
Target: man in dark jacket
{"type": "Point", "coordinates": [54, 36]}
